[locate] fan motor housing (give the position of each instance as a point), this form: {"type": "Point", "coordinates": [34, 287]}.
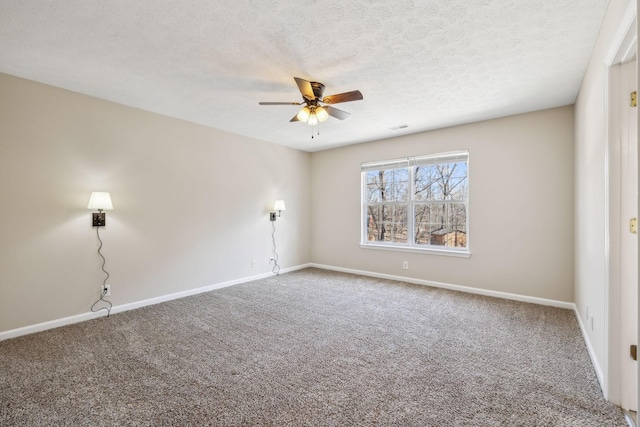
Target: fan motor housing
{"type": "Point", "coordinates": [318, 89]}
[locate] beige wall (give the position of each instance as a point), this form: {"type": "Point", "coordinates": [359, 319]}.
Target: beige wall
{"type": "Point", "coordinates": [520, 213]}
{"type": "Point", "coordinates": [190, 203]}
{"type": "Point", "coordinates": [591, 182]}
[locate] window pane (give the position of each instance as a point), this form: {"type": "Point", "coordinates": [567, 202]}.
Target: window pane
{"type": "Point", "coordinates": [446, 181]}
{"type": "Point", "coordinates": [374, 187]}
{"type": "Point", "coordinates": [422, 224]}
{"type": "Point", "coordinates": [441, 224]}
{"type": "Point", "coordinates": [400, 192]}
{"type": "Point", "coordinates": [391, 185]}
{"type": "Point", "coordinates": [374, 223]}
{"type": "Point", "coordinates": [387, 223]}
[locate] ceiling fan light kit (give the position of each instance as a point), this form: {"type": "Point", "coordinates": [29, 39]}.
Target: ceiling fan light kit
{"type": "Point", "coordinates": [313, 113]}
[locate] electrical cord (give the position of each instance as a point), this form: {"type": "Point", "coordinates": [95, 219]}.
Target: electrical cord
{"type": "Point", "coordinates": [104, 288]}
{"type": "Point", "coordinates": [276, 267]}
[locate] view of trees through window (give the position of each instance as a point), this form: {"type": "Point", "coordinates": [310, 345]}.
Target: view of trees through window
{"type": "Point", "coordinates": [420, 205]}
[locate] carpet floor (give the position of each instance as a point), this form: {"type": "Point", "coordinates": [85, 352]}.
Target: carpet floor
{"type": "Point", "coordinates": [309, 348]}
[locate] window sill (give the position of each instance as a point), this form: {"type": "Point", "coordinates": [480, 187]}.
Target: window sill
{"type": "Point", "coordinates": [430, 251]}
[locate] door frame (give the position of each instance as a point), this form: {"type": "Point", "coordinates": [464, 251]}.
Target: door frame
{"type": "Point", "coordinates": [629, 241]}
{"type": "Point", "coordinates": [622, 49]}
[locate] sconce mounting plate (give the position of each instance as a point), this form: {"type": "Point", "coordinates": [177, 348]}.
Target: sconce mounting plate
{"type": "Point", "coordinates": [99, 219]}
{"type": "Point", "coordinates": [272, 216]}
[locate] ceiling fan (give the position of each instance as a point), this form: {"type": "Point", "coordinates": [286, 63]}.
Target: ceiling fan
{"type": "Point", "coordinates": [313, 111]}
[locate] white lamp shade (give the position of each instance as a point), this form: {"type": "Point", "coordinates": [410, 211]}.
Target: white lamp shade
{"type": "Point", "coordinates": [322, 114]}
{"type": "Point", "coordinates": [313, 120]}
{"type": "Point", "coordinates": [303, 114]}
{"type": "Point", "coordinates": [279, 206]}
{"type": "Point", "coordinates": [100, 200]}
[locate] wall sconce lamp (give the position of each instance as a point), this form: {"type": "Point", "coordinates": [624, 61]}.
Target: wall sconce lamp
{"type": "Point", "coordinates": [100, 201]}
{"type": "Point", "coordinates": [279, 207]}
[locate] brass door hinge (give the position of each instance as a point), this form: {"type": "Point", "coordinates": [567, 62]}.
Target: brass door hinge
{"type": "Point", "coordinates": [634, 98]}
{"type": "Point", "coordinates": [633, 225]}
{"type": "Point", "coordinates": [633, 352]}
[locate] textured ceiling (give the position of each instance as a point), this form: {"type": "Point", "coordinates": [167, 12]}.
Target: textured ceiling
{"type": "Point", "coordinates": [421, 63]}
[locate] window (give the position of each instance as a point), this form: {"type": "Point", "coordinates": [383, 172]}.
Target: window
{"type": "Point", "coordinates": [417, 203]}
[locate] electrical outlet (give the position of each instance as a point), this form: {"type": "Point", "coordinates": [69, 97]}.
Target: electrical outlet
{"type": "Point", "coordinates": [405, 265]}
{"type": "Point", "coordinates": [253, 263]}
{"type": "Point", "coordinates": [107, 288]}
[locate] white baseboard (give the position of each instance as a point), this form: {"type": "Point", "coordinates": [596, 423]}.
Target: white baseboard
{"type": "Point", "coordinates": [39, 327]}
{"type": "Point", "coordinates": [190, 292]}
{"type": "Point", "coordinates": [592, 353]}
{"type": "Point", "coordinates": [467, 289]}
{"type": "Point", "coordinates": [157, 300]}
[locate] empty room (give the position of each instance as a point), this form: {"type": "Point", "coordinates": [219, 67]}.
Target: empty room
{"type": "Point", "coordinates": [407, 213]}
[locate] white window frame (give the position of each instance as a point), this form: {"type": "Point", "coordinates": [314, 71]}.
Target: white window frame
{"type": "Point", "coordinates": [410, 163]}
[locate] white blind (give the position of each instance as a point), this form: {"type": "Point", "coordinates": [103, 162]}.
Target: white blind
{"type": "Point", "coordinates": [385, 164]}
{"type": "Point", "coordinates": [432, 159]}
{"type": "Point", "coordinates": [438, 159]}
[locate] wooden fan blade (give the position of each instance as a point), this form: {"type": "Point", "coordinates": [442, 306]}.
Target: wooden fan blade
{"type": "Point", "coordinates": [295, 119]}
{"type": "Point", "coordinates": [305, 88]}
{"type": "Point", "coordinates": [280, 103]}
{"type": "Point", "coordinates": [354, 95]}
{"type": "Point", "coordinates": [338, 114]}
